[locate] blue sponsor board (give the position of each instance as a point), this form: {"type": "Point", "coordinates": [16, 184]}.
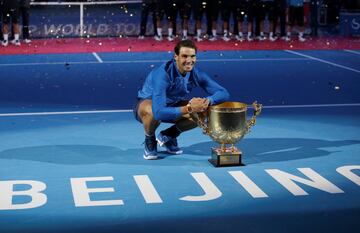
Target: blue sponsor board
{"type": "Point", "coordinates": [104, 20]}
{"type": "Point", "coordinates": [98, 21]}
{"type": "Point", "coordinates": [350, 23]}
{"type": "Point", "coordinates": [115, 20]}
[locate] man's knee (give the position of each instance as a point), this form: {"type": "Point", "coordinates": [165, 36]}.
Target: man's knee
{"type": "Point", "coordinates": [145, 111]}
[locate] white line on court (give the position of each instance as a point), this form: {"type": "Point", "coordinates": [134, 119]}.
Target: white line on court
{"type": "Point", "coordinates": [251, 59]}
{"type": "Point", "coordinates": [97, 57]}
{"type": "Point", "coordinates": [130, 110]}
{"type": "Point", "coordinates": [323, 61]}
{"type": "Point", "coordinates": [48, 63]}
{"type": "Point", "coordinates": [153, 61]}
{"type": "Point", "coordinates": [313, 105]}
{"type": "Point", "coordinates": [352, 51]}
{"type": "Point", "coordinates": [63, 113]}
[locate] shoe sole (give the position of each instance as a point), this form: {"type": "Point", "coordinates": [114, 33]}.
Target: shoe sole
{"type": "Point", "coordinates": [150, 157]}
{"type": "Point", "coordinates": [179, 152]}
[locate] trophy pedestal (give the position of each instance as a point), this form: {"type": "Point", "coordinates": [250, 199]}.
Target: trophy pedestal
{"type": "Point", "coordinates": [227, 157]}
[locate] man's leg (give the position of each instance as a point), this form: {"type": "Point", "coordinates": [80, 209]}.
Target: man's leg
{"type": "Point", "coordinates": [1, 33]}
{"type": "Point", "coordinates": [182, 124]}
{"type": "Point", "coordinates": [143, 19]}
{"type": "Point", "coordinates": [5, 30]}
{"type": "Point", "coordinates": [16, 30]}
{"type": "Point", "coordinates": [185, 124]}
{"type": "Point", "coordinates": [146, 116]}
{"type": "Point", "coordinates": [168, 137]}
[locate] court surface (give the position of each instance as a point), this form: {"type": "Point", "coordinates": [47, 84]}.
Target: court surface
{"type": "Point", "coordinates": [71, 151]}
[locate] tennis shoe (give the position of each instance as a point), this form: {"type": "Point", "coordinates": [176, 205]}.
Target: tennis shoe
{"type": "Point", "coordinates": [169, 143]}
{"type": "Point", "coordinates": [150, 148]}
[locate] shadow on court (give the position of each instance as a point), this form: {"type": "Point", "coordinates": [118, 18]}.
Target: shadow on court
{"type": "Point", "coordinates": [255, 151]}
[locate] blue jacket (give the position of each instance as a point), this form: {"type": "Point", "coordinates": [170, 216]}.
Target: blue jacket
{"type": "Point", "coordinates": [165, 86]}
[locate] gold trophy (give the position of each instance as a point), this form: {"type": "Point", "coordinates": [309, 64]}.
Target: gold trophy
{"type": "Point", "coordinates": [226, 124]}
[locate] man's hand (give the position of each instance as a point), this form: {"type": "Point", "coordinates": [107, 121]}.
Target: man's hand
{"type": "Point", "coordinates": [199, 104]}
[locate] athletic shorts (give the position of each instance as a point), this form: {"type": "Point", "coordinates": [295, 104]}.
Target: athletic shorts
{"type": "Point", "coordinates": [214, 9]}
{"type": "Point", "coordinates": [139, 101]}
{"type": "Point", "coordinates": [10, 10]}
{"type": "Point", "coordinates": [198, 9]}
{"type": "Point", "coordinates": [267, 8]}
{"type": "Point", "coordinates": [184, 8]}
{"type": "Point", "coordinates": [166, 7]}
{"type": "Point", "coordinates": [251, 9]}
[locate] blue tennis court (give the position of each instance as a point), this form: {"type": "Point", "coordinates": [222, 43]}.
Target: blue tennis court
{"type": "Point", "coordinates": [71, 151]}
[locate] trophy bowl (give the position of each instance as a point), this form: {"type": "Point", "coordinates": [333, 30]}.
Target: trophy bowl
{"type": "Point", "coordinates": [227, 124]}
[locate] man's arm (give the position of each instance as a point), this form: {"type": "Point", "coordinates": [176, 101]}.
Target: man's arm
{"type": "Point", "coordinates": [217, 93]}
{"type": "Point", "coordinates": [160, 110]}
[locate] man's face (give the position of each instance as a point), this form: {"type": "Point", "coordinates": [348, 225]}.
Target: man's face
{"type": "Point", "coordinates": [186, 59]}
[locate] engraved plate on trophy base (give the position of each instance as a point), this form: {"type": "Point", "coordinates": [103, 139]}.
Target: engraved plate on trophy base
{"type": "Point", "coordinates": [228, 157]}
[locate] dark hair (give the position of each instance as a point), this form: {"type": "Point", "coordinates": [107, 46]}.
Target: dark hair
{"type": "Point", "coordinates": [184, 43]}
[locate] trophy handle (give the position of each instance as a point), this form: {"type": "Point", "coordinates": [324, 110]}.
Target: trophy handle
{"type": "Point", "coordinates": [252, 121]}
{"type": "Point", "coordinates": [201, 120]}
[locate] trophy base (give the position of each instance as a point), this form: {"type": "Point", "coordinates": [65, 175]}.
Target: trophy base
{"type": "Point", "coordinates": [220, 158]}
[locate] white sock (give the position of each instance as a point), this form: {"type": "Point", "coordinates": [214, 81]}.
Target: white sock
{"type": "Point", "coordinates": [288, 33]}
{"type": "Point", "coordinates": [214, 32]}
{"type": "Point", "coordinates": [159, 31]}
{"type": "Point", "coordinates": [6, 36]}
{"type": "Point", "coordinates": [271, 34]}
{"type": "Point", "coordinates": [16, 36]}
{"type": "Point", "coordinates": [185, 33]}
{"type": "Point", "coordinates": [198, 32]}
{"type": "Point", "coordinates": [226, 32]}
{"type": "Point", "coordinates": [241, 34]}
{"type": "Point", "coordinates": [301, 34]}
{"type": "Point", "coordinates": [170, 31]}
{"type": "Point", "coordinates": [249, 34]}
{"type": "Point", "coordinates": [261, 33]}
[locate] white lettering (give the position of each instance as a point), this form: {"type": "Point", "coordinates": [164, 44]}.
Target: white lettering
{"type": "Point", "coordinates": [81, 192]}
{"type": "Point", "coordinates": [147, 189]}
{"type": "Point", "coordinates": [33, 29]}
{"type": "Point", "coordinates": [346, 171]}
{"type": "Point", "coordinates": [119, 28]}
{"type": "Point", "coordinates": [52, 30]}
{"type": "Point", "coordinates": [355, 25]}
{"type": "Point", "coordinates": [77, 30]}
{"type": "Point", "coordinates": [68, 29]}
{"type": "Point", "coordinates": [248, 184]}
{"type": "Point", "coordinates": [130, 29]}
{"type": "Point", "coordinates": [7, 193]}
{"type": "Point", "coordinates": [211, 191]}
{"type": "Point", "coordinates": [102, 29]}
{"type": "Point", "coordinates": [317, 181]}
{"type": "Point", "coordinates": [88, 28]}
